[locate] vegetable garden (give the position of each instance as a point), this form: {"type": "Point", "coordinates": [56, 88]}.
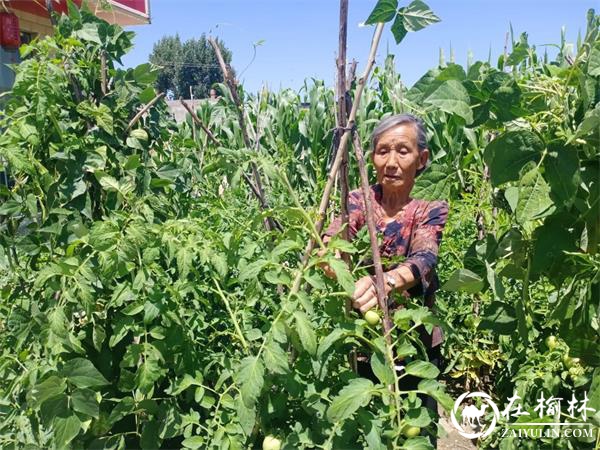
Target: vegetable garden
{"type": "Point", "coordinates": [157, 289]}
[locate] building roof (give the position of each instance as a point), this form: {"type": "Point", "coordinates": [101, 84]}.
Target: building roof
{"type": "Point", "coordinates": [123, 12]}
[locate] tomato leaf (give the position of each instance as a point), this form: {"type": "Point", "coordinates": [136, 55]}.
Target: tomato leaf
{"type": "Point", "coordinates": [306, 332]}
{"type": "Point", "coordinates": [355, 394]}
{"type": "Point", "coordinates": [82, 373]}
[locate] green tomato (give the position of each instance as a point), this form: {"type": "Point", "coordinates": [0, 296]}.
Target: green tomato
{"type": "Point", "coordinates": [570, 362]}
{"type": "Point", "coordinates": [551, 342]}
{"type": "Point", "coordinates": [271, 443]}
{"type": "Point", "coordinates": [372, 317]}
{"type": "Point", "coordinates": [411, 432]}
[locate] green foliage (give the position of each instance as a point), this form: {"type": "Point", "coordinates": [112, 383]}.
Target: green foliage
{"type": "Point", "coordinates": [143, 305]}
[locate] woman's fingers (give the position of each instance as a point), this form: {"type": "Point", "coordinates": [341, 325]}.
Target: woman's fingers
{"type": "Point", "coordinates": [361, 286]}
{"type": "Point", "coordinates": [367, 306]}
{"type": "Point", "coordinates": [364, 296]}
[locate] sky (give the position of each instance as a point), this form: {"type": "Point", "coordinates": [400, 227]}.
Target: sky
{"type": "Point", "coordinates": [300, 37]}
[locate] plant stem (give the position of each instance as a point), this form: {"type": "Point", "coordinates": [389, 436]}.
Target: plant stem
{"type": "Point", "coordinates": [231, 315]}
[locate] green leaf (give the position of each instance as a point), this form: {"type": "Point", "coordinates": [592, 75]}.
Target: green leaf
{"type": "Point", "coordinates": [250, 271]}
{"type": "Point", "coordinates": [147, 374]}
{"type": "Point", "coordinates": [246, 416]}
{"type": "Point", "coordinates": [329, 340]}
{"type": "Point", "coordinates": [433, 184]}
{"type": "Point", "coordinates": [499, 317]}
{"type": "Point", "coordinates": [343, 275]}
{"type": "Point", "coordinates": [550, 241]}
{"type": "Point", "coordinates": [534, 197]}
{"type": "Point", "coordinates": [306, 332]}
{"type": "Point", "coordinates": [591, 122]}
{"type": "Point", "coordinates": [150, 439]}
{"type": "Point", "coordinates": [419, 417]}
{"type": "Point", "coordinates": [250, 377]}
{"type": "Point", "coordinates": [509, 153]}
{"type": "Point", "coordinates": [122, 409]}
{"type": "Point", "coordinates": [187, 381]}
{"type": "Point", "coordinates": [384, 11]}
{"type": "Point", "coordinates": [53, 407]}
{"type": "Point", "coordinates": [417, 443]}
{"type": "Point", "coordinates": [194, 442]}
{"type": "Point", "coordinates": [422, 369]}
{"type": "Point", "coordinates": [355, 394]}
{"type": "Point", "coordinates": [337, 243]}
{"type": "Point", "coordinates": [65, 429]}
{"type": "Point", "coordinates": [276, 359]}
{"type": "Point", "coordinates": [463, 280]}
{"type": "Point", "coordinates": [405, 349]}
{"type": "Point", "coordinates": [520, 52]}
{"type": "Point", "coordinates": [417, 16]}
{"type": "Point", "coordinates": [144, 74]}
{"type": "Point", "coordinates": [82, 373]}
{"type": "Point", "coordinates": [398, 29]}
{"type": "Point", "coordinates": [561, 171]}
{"type": "Point", "coordinates": [593, 67]}
{"type": "Point", "coordinates": [436, 391]}
{"type": "Point", "coordinates": [452, 97]}
{"type": "Point", "coordinates": [382, 369]}
{"type": "Point", "coordinates": [185, 258]}
{"type": "Point", "coordinates": [85, 402]}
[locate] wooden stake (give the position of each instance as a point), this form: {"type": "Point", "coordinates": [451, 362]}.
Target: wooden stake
{"type": "Point", "coordinates": [232, 85]}
{"type": "Point", "coordinates": [198, 122]}
{"type": "Point", "coordinates": [338, 157]}
{"type": "Point", "coordinates": [143, 111]}
{"type": "Point", "coordinates": [370, 218]}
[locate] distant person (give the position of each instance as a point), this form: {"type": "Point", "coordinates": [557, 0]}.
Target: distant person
{"type": "Point", "coordinates": [213, 95]}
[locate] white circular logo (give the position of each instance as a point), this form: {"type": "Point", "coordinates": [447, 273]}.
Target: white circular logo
{"type": "Point", "coordinates": [472, 415]}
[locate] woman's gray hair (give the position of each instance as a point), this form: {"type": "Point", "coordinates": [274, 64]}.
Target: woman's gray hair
{"type": "Point", "coordinates": [400, 119]}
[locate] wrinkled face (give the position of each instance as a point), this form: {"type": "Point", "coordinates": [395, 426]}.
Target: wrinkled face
{"type": "Point", "coordinates": [397, 158]}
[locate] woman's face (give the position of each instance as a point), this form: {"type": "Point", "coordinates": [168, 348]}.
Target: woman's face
{"type": "Point", "coordinates": [397, 158]}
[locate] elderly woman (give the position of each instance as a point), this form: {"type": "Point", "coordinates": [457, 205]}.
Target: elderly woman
{"type": "Point", "coordinates": [410, 227]}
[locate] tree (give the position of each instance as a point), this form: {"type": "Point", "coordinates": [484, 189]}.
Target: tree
{"type": "Point", "coordinates": [191, 64]}
{"type": "Point", "coordinates": [167, 54]}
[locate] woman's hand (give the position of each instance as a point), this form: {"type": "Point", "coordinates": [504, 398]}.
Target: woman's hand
{"type": "Point", "coordinates": [365, 295]}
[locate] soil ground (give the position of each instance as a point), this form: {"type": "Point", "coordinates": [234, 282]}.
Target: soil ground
{"type": "Point", "coordinates": [452, 440]}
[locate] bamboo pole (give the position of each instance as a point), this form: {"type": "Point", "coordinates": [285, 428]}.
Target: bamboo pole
{"type": "Point", "coordinates": [342, 117]}
{"type": "Point", "coordinates": [370, 219]}
{"type": "Point", "coordinates": [338, 157]}
{"type": "Point", "coordinates": [143, 111]}
{"type": "Point", "coordinates": [232, 85]}
{"type": "Point", "coordinates": [215, 141]}
{"type": "Point", "coordinates": [198, 122]}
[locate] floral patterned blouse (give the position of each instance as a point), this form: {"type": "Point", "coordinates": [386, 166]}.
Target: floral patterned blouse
{"type": "Point", "coordinates": [415, 233]}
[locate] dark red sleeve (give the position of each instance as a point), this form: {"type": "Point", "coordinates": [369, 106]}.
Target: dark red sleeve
{"type": "Point", "coordinates": [356, 219]}
{"type": "Point", "coordinates": [427, 236]}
